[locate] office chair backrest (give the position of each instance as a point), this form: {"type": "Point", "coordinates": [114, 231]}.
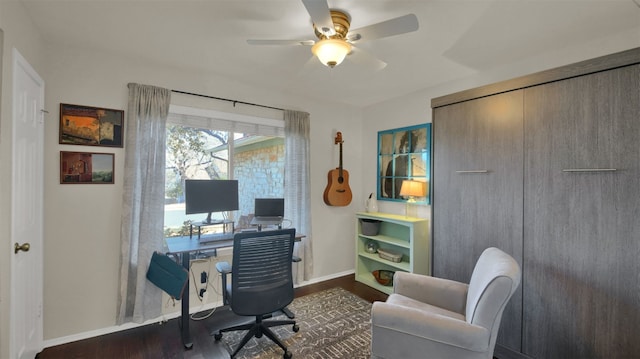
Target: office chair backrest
{"type": "Point", "coordinates": [494, 280]}
{"type": "Point", "coordinates": [261, 280]}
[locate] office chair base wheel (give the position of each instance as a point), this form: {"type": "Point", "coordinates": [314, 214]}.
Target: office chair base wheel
{"type": "Point", "coordinates": [296, 328]}
{"type": "Point", "coordinates": [287, 355]}
{"type": "Point", "coordinates": [217, 336]}
{"type": "Point", "coordinates": [258, 335]}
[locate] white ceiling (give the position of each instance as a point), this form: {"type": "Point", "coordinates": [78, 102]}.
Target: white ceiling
{"type": "Point", "coordinates": [456, 38]}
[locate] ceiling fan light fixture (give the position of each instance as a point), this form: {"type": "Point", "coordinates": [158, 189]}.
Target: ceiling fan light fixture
{"type": "Point", "coordinates": [331, 52]}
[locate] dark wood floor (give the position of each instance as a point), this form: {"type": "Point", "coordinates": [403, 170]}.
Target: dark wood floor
{"type": "Point", "coordinates": [163, 341]}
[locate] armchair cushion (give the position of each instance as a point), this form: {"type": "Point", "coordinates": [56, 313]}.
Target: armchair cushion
{"type": "Point", "coordinates": [443, 293]}
{"type": "Point", "coordinates": [438, 325]}
{"type": "Point", "coordinates": [401, 300]}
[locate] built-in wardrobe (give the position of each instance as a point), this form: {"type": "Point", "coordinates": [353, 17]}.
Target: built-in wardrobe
{"type": "Point", "coordinates": [547, 168]}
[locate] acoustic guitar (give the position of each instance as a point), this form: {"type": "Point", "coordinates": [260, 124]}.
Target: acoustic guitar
{"type": "Point", "coordinates": [338, 192]}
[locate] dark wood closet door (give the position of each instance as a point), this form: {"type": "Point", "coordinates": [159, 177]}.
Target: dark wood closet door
{"type": "Point", "coordinates": [582, 232]}
{"type": "Point", "coordinates": [477, 191]}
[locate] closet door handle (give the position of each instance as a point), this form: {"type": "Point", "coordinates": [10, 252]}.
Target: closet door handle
{"type": "Point", "coordinates": [589, 170]}
{"type": "Point", "coordinates": [473, 171]}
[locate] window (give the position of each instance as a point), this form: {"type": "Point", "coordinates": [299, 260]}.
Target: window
{"type": "Point", "coordinates": [215, 145]}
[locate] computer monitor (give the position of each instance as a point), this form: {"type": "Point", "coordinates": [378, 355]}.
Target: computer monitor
{"type": "Point", "coordinates": [269, 207]}
{"type": "Point", "coordinates": [206, 196]}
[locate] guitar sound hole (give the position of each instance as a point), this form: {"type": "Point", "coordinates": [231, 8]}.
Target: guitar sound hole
{"type": "Point", "coordinates": [340, 179]}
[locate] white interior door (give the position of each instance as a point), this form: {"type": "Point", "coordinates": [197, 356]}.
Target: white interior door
{"type": "Point", "coordinates": [26, 210]}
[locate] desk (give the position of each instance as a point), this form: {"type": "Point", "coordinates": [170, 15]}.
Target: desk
{"type": "Point", "coordinates": [183, 247]}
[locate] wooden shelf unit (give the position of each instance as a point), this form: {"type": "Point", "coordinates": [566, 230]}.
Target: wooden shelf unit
{"type": "Point", "coordinates": [401, 234]}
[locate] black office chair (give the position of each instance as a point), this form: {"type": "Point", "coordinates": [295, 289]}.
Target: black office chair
{"type": "Point", "coordinates": [261, 283]}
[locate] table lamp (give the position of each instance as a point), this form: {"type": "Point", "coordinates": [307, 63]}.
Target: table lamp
{"type": "Point", "coordinates": [412, 189]}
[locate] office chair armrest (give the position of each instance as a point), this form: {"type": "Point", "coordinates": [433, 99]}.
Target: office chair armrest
{"type": "Point", "coordinates": [223, 267]}
{"type": "Point", "coordinates": [296, 259]}
{"type": "Point", "coordinates": [443, 293]}
{"type": "Point", "coordinates": [391, 318]}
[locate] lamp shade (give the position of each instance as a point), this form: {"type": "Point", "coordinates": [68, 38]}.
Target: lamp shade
{"type": "Point", "coordinates": [412, 188]}
{"type": "Point", "coordinates": [331, 52]}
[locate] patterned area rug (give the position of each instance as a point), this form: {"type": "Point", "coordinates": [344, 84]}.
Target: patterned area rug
{"type": "Point", "coordinates": [333, 324]}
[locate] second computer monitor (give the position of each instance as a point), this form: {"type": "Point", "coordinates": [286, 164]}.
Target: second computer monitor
{"type": "Point", "coordinates": [269, 207]}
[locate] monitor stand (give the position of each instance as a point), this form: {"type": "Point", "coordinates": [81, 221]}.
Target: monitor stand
{"type": "Point", "coordinates": [260, 227]}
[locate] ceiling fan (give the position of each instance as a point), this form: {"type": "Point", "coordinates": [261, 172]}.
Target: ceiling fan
{"type": "Point", "coordinates": [335, 39]}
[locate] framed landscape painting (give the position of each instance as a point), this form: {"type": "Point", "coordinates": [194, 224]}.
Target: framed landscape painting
{"type": "Point", "coordinates": [86, 167]}
{"type": "Point", "coordinates": [91, 126]}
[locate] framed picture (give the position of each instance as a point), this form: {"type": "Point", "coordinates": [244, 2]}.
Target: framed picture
{"type": "Point", "coordinates": [91, 126]}
{"type": "Point", "coordinates": [404, 154]}
{"type": "Point", "coordinates": [86, 167]}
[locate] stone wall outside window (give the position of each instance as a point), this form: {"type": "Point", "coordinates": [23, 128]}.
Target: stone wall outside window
{"type": "Point", "coordinates": [260, 173]}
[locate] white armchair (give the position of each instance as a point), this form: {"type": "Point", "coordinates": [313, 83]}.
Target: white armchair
{"type": "Point", "coordinates": [428, 317]}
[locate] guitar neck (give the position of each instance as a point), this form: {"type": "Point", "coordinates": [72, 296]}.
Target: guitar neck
{"type": "Point", "coordinates": [340, 168]}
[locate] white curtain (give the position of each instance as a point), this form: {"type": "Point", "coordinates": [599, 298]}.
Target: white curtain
{"type": "Point", "coordinates": [297, 190]}
{"type": "Point", "coordinates": [143, 201]}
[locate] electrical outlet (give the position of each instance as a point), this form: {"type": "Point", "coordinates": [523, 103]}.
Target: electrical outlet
{"type": "Point", "coordinates": [203, 277]}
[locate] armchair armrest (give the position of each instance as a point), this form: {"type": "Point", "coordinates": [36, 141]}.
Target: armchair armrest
{"type": "Point", "coordinates": [443, 293]}
{"type": "Point", "coordinates": [430, 326]}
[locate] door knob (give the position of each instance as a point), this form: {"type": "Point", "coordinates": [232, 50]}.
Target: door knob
{"type": "Point", "coordinates": [24, 247]}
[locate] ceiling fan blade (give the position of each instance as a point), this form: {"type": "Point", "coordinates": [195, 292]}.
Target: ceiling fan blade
{"type": "Point", "coordinates": [281, 42]}
{"type": "Point", "coordinates": [365, 59]}
{"type": "Point", "coordinates": [392, 27]}
{"type": "Point", "coordinates": [320, 15]}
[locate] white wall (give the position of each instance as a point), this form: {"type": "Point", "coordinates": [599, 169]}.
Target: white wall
{"type": "Point", "coordinates": [82, 223]}
{"type": "Point", "coordinates": [19, 33]}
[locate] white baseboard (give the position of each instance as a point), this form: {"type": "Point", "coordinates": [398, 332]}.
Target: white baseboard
{"type": "Point", "coordinates": [116, 328]}
{"type": "Point", "coordinates": [325, 278]}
